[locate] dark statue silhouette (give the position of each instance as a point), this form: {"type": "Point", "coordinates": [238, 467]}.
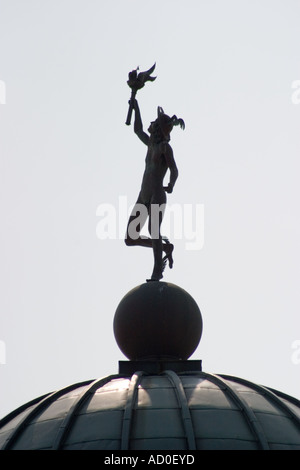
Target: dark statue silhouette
{"type": "Point", "coordinates": [152, 197]}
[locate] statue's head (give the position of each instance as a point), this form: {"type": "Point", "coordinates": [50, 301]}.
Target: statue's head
{"type": "Point", "coordinates": [163, 125]}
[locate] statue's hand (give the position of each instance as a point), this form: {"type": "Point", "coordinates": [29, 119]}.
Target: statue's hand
{"type": "Point", "coordinates": [133, 102]}
{"type": "Point", "coordinates": [169, 188]}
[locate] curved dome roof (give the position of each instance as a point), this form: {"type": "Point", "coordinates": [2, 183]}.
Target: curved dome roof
{"type": "Point", "coordinates": [186, 410]}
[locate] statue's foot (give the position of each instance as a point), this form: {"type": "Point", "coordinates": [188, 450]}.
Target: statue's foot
{"type": "Point", "coordinates": [156, 277]}
{"type": "Point", "coordinates": [157, 274]}
{"type": "Point", "coordinates": [168, 248]}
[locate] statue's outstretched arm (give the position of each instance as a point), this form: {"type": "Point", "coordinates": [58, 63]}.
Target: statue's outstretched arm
{"type": "Point", "coordinates": [138, 125]}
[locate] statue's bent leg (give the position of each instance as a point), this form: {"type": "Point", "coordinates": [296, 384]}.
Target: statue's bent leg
{"type": "Point", "coordinates": [155, 220]}
{"type": "Point", "coordinates": [168, 249]}
{"type": "Point", "coordinates": [135, 224]}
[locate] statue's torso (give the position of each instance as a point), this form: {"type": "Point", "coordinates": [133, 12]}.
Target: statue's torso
{"type": "Point", "coordinates": [155, 170]}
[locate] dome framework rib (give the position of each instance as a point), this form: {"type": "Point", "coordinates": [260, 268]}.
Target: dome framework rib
{"type": "Point", "coordinates": [185, 411]}
{"type": "Point", "coordinates": [69, 419]}
{"type": "Point", "coordinates": [128, 411]}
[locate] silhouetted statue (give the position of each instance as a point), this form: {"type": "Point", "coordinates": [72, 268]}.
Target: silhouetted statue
{"type": "Point", "coordinates": [152, 197]}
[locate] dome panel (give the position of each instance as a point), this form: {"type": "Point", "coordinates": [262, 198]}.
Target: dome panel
{"type": "Point", "coordinates": [202, 393]}
{"type": "Point", "coordinates": [56, 410]}
{"type": "Point", "coordinates": [213, 424]}
{"type": "Point", "coordinates": [156, 381]}
{"type": "Point", "coordinates": [258, 402]}
{"type": "Point", "coordinates": [38, 435]}
{"type": "Point", "coordinates": [199, 381]}
{"type": "Point", "coordinates": [156, 398]}
{"type": "Point", "coordinates": [105, 400]}
{"type": "Point", "coordinates": [161, 443]}
{"type": "Point", "coordinates": [116, 384]}
{"type": "Point", "coordinates": [226, 444]}
{"type": "Point", "coordinates": [103, 444]}
{"type": "Point", "coordinates": [279, 429]}
{"type": "Point", "coordinates": [145, 424]}
{"type": "Point", "coordinates": [295, 409]}
{"type": "Point", "coordinates": [100, 425]}
{"type": "Point", "coordinates": [208, 399]}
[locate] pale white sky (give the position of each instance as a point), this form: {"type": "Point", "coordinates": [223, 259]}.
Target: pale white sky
{"type": "Point", "coordinates": [226, 68]}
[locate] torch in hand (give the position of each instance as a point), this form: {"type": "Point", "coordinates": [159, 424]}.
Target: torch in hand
{"type": "Point", "coordinates": [136, 82]}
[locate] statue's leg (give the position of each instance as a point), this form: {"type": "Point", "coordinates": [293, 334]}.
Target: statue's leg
{"type": "Point", "coordinates": [135, 224]}
{"type": "Point", "coordinates": [162, 244]}
{"type": "Point", "coordinates": [155, 220]}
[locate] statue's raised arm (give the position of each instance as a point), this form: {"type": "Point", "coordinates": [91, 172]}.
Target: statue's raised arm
{"type": "Point", "coordinates": [138, 125]}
